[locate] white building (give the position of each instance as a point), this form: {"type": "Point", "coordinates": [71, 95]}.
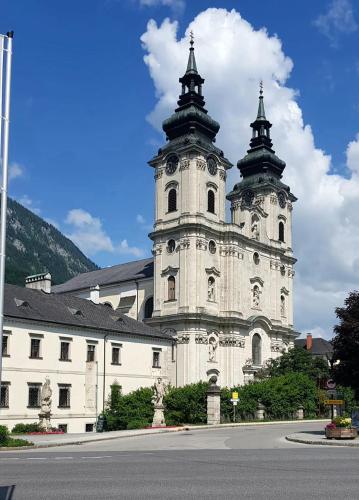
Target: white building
{"type": "Point", "coordinates": [223, 290]}
{"type": "Point", "coordinates": [83, 348]}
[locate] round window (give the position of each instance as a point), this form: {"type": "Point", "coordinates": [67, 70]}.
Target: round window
{"type": "Point", "coordinates": [256, 258]}
{"type": "Point", "coordinates": [171, 246]}
{"type": "Point", "coordinates": [212, 246]}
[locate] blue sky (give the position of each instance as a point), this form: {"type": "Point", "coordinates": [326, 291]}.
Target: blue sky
{"type": "Point", "coordinates": [81, 95]}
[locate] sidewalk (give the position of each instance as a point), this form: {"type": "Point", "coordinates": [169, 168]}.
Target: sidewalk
{"type": "Point", "coordinates": [318, 438]}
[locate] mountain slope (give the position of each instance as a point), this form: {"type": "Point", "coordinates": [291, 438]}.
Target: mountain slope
{"type": "Point", "coordinates": [34, 246]}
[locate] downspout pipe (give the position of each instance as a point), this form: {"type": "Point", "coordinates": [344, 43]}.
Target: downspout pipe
{"type": "Point", "coordinates": [104, 371]}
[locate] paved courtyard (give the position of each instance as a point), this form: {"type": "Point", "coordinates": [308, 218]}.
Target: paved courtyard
{"type": "Point", "coordinates": [253, 462]}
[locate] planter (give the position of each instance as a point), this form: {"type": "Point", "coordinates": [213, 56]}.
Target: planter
{"type": "Point", "coordinates": [341, 433]}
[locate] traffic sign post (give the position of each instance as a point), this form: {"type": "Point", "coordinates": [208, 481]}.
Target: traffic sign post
{"type": "Point", "coordinates": [234, 400]}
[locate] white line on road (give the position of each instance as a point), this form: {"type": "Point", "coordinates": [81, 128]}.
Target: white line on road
{"type": "Point", "coordinates": [63, 458]}
{"type": "Point", "coordinates": [35, 458]}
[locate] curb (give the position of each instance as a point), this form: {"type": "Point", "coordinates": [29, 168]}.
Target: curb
{"type": "Point", "coordinates": [79, 442]}
{"type": "Point", "coordinates": [246, 424]}
{"type": "Point", "coordinates": [350, 444]}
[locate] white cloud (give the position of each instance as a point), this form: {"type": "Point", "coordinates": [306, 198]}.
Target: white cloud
{"type": "Point", "coordinates": [15, 170]}
{"type": "Point", "coordinates": [140, 219]}
{"type": "Point", "coordinates": [89, 235]}
{"type": "Point", "coordinates": [27, 202]}
{"type": "Point", "coordinates": [177, 6]}
{"type": "Point", "coordinates": [326, 218]}
{"type": "Point", "coordinates": [339, 19]}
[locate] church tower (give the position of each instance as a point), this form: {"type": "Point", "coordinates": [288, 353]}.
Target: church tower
{"type": "Point", "coordinates": [223, 290]}
{"type": "Point", "coordinates": [190, 197]}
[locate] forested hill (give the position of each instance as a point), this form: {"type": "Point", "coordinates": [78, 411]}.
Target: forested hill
{"type": "Point", "coordinates": [34, 246]}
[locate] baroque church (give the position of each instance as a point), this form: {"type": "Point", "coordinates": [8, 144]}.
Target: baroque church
{"type": "Point", "coordinates": [222, 290]}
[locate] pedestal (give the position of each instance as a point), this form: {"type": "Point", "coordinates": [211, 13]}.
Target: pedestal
{"type": "Point", "coordinates": [159, 417]}
{"type": "Point", "coordinates": [260, 412]}
{"type": "Point", "coordinates": [214, 405]}
{"type": "Point", "coordinates": [300, 413]}
{"type": "Point", "coordinates": [45, 421]}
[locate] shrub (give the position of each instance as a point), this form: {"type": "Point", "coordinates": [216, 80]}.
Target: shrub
{"type": "Point", "coordinates": [137, 424]}
{"type": "Point", "coordinates": [186, 405]}
{"type": "Point", "coordinates": [26, 428]}
{"type": "Point", "coordinates": [135, 406]}
{"type": "Point", "coordinates": [280, 395]}
{"type": "Point", "coordinates": [14, 443]}
{"type": "Point", "coordinates": [4, 434]}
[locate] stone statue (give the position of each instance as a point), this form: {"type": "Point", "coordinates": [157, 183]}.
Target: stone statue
{"type": "Point", "coordinates": [212, 347]}
{"type": "Point", "coordinates": [255, 231]}
{"type": "Point", "coordinates": [159, 391]}
{"type": "Point", "coordinates": [256, 296]}
{"type": "Point", "coordinates": [46, 394]}
{"type": "Point", "coordinates": [45, 412]}
{"type": "Point", "coordinates": [211, 295]}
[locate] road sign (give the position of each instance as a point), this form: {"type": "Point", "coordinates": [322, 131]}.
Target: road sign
{"type": "Point", "coordinates": [234, 401]}
{"type": "Point", "coordinates": [235, 395]}
{"type": "Point", "coordinates": [331, 392]}
{"type": "Point", "coordinates": [331, 384]}
{"type": "Point", "coordinates": [334, 402]}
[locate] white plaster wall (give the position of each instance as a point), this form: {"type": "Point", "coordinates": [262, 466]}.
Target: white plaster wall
{"type": "Point", "coordinates": [18, 369]}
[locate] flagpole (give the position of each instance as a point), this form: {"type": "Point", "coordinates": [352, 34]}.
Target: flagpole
{"type": "Point", "coordinates": [5, 164]}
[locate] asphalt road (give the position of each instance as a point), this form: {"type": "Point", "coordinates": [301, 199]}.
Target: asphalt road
{"type": "Point", "coordinates": [233, 463]}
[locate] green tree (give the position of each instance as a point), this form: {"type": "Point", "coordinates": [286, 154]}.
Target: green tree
{"type": "Point", "coordinates": [346, 344]}
{"type": "Point", "coordinates": [296, 360]}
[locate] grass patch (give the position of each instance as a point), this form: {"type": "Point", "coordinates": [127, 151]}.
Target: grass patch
{"type": "Point", "coordinates": [13, 443]}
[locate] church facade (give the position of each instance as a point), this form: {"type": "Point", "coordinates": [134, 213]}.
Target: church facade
{"type": "Point", "coordinates": [223, 290]}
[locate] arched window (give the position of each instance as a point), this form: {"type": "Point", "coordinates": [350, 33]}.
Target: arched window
{"type": "Point", "coordinates": [171, 288]}
{"type": "Point", "coordinates": [172, 200]}
{"type": "Point", "coordinates": [149, 307]}
{"type": "Point", "coordinates": [256, 350]}
{"type": "Point", "coordinates": [211, 289]}
{"type": "Point", "coordinates": [171, 246]}
{"type": "Point", "coordinates": [281, 231]}
{"type": "Point", "coordinates": [282, 305]}
{"type": "Point", "coordinates": [210, 201]}
{"type": "Point", "coordinates": [108, 304]}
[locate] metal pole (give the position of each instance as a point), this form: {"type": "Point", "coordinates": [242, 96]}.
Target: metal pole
{"type": "Point", "coordinates": [5, 161]}
{"type": "Point", "coordinates": [2, 38]}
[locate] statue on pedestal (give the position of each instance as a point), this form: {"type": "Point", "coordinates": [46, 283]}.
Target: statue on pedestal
{"type": "Point", "coordinates": [45, 412]}
{"type": "Point", "coordinates": [157, 400]}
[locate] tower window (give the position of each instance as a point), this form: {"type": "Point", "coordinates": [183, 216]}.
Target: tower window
{"type": "Point", "coordinates": [171, 288]}
{"type": "Point", "coordinates": [171, 246]}
{"type": "Point", "coordinates": [256, 258]}
{"type": "Point", "coordinates": [172, 200]}
{"type": "Point", "coordinates": [149, 307]}
{"type": "Point", "coordinates": [282, 305]}
{"type": "Point", "coordinates": [256, 350]}
{"type": "Point", "coordinates": [211, 202]}
{"type": "Point", "coordinates": [212, 246]}
{"type": "Point", "coordinates": [281, 231]}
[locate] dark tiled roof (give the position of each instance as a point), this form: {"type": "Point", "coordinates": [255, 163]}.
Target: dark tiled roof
{"type": "Point", "coordinates": [36, 305]}
{"type": "Point", "coordinates": [320, 346]}
{"type": "Point", "coordinates": [137, 269]}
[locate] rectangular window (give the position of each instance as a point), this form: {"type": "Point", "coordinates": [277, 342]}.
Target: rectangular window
{"type": "Point", "coordinates": [34, 395]}
{"type": "Point", "coordinates": [5, 345]}
{"type": "Point", "coordinates": [4, 395]}
{"type": "Point", "coordinates": [62, 427]}
{"type": "Point", "coordinates": [156, 359]}
{"type": "Point", "coordinates": [90, 352]}
{"type": "Point", "coordinates": [64, 396]}
{"type": "Point", "coordinates": [64, 351]}
{"type": "Point", "coordinates": [35, 348]}
{"type": "Point", "coordinates": [116, 355]}
{"type": "Point", "coordinates": [89, 428]}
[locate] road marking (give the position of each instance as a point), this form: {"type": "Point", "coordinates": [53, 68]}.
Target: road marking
{"type": "Point", "coordinates": [103, 456]}
{"type": "Point", "coordinates": [63, 458]}
{"type": "Point", "coordinates": [35, 458]}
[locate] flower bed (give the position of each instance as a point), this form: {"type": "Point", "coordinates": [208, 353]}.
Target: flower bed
{"type": "Point", "coordinates": [341, 428]}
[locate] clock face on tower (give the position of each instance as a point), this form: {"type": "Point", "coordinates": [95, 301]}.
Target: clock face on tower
{"type": "Point", "coordinates": [281, 199]}
{"type": "Point", "coordinates": [248, 197]}
{"type": "Point", "coordinates": [211, 165]}
{"type": "Point", "coordinates": [171, 164]}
